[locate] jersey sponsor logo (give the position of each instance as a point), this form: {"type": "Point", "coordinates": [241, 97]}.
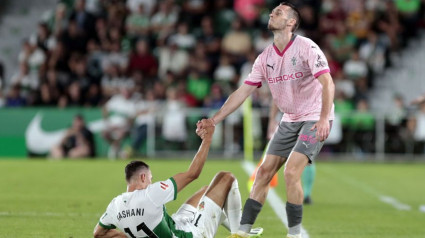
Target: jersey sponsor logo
{"type": "Point", "coordinates": [320, 63]}
{"type": "Point", "coordinates": [285, 77]}
{"type": "Point", "coordinates": [307, 138]}
{"type": "Point", "coordinates": [164, 186]}
{"type": "Point", "coordinates": [271, 66]}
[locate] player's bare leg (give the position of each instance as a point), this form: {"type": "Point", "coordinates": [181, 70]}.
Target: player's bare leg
{"type": "Point", "coordinates": [224, 191]}
{"type": "Point", "coordinates": [294, 192]}
{"type": "Point", "coordinates": [260, 188]}
{"type": "Point", "coordinates": [265, 173]}
{"type": "Point", "coordinates": [194, 199]}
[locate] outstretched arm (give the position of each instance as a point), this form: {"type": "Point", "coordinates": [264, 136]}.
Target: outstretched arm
{"type": "Point", "coordinates": [100, 232]}
{"type": "Point", "coordinates": [233, 102]}
{"type": "Point", "coordinates": [195, 168]}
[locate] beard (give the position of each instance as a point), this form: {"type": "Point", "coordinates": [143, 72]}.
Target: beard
{"type": "Point", "coordinates": [274, 28]}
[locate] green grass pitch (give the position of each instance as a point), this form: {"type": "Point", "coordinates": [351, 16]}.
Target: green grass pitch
{"type": "Point", "coordinates": [65, 198]}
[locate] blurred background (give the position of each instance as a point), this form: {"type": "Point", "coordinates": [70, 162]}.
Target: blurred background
{"type": "Point", "coordinates": [130, 78]}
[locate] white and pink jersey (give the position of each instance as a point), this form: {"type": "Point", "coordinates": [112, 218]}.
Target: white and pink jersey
{"type": "Point", "coordinates": [292, 77]}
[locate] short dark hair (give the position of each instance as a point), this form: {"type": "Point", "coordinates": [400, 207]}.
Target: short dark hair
{"type": "Point", "coordinates": [295, 13]}
{"type": "Point", "coordinates": [134, 166]}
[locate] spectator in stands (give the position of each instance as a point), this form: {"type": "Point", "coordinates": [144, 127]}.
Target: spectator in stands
{"type": "Point", "coordinates": [59, 21]}
{"type": "Point", "coordinates": [223, 16]}
{"type": "Point", "coordinates": [172, 59]}
{"type": "Point", "coordinates": [198, 85]}
{"type": "Point", "coordinates": [200, 61]}
{"type": "Point", "coordinates": [210, 39]}
{"type": "Point", "coordinates": [42, 39]}
{"type": "Point", "coordinates": [148, 6]}
{"type": "Point", "coordinates": [416, 126]}
{"type": "Point", "coordinates": [2, 102]}
{"type": "Point", "coordinates": [225, 74]}
{"type": "Point", "coordinates": [142, 60]}
{"type": "Point", "coordinates": [14, 98]}
{"type": "Point", "coordinates": [79, 73]}
{"type": "Point", "coordinates": [310, 23]}
{"type": "Point", "coordinates": [28, 81]}
{"type": "Point", "coordinates": [355, 68]}
{"type": "Point", "coordinates": [164, 21]}
{"type": "Point", "coordinates": [116, 57]}
{"type": "Point", "coordinates": [144, 118]}
{"type": "Point", "coordinates": [122, 106]}
{"type": "Point", "coordinates": [362, 126]}
{"type": "Point", "coordinates": [59, 58]}
{"type": "Point", "coordinates": [237, 42]}
{"type": "Point", "coordinates": [395, 124]}
{"type": "Point", "coordinates": [373, 51]}
{"type": "Point", "coordinates": [263, 40]}
{"type": "Point", "coordinates": [113, 80]}
{"type": "Point", "coordinates": [174, 124]}
{"type": "Point", "coordinates": [84, 20]}
{"type": "Point", "coordinates": [50, 90]}
{"type": "Point", "coordinates": [93, 96]}
{"type": "Point", "coordinates": [77, 143]}
{"type": "Point", "coordinates": [409, 17]}
{"type": "Point", "coordinates": [74, 38]}
{"type": "Point", "coordinates": [34, 58]}
{"type": "Point", "coordinates": [182, 38]}
{"type": "Point", "coordinates": [342, 43]}
{"type": "Point", "coordinates": [1, 75]}
{"type": "Point", "coordinates": [216, 98]}
{"type": "Point", "coordinates": [387, 22]}
{"type": "Point", "coordinates": [194, 10]}
{"type": "Point", "coordinates": [72, 97]}
{"type": "Point", "coordinates": [137, 24]}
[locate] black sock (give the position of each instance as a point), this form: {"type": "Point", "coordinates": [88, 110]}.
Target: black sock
{"type": "Point", "coordinates": [249, 214]}
{"type": "Point", "coordinates": [295, 216]}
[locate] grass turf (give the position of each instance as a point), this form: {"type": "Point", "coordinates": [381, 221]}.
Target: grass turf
{"type": "Point", "coordinates": [66, 198]}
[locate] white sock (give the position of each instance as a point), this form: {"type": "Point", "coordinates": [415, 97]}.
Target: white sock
{"type": "Point", "coordinates": [225, 221]}
{"type": "Point", "coordinates": [233, 207]}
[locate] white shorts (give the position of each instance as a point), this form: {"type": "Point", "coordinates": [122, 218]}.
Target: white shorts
{"type": "Point", "coordinates": [202, 221]}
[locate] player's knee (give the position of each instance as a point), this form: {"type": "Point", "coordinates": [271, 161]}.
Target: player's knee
{"type": "Point", "coordinates": [264, 174]}
{"type": "Point", "coordinates": [290, 176]}
{"type": "Point", "coordinates": [226, 177]}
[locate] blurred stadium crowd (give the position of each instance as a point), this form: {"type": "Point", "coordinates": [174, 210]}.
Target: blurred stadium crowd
{"type": "Point", "coordinates": [194, 53]}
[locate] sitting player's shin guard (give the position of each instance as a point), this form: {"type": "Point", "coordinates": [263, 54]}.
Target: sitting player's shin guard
{"type": "Point", "coordinates": [250, 212]}
{"type": "Point", "coordinates": [295, 215]}
{"type": "Point", "coordinates": [233, 207]}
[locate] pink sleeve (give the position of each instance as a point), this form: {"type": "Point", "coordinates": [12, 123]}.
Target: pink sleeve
{"type": "Point", "coordinates": [317, 61]}
{"type": "Point", "coordinates": [257, 73]}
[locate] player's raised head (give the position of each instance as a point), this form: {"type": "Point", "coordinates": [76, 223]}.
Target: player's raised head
{"type": "Point", "coordinates": [133, 168]}
{"type": "Point", "coordinates": [292, 13]}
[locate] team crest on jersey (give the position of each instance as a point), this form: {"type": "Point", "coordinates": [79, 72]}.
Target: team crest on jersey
{"type": "Point", "coordinates": [164, 186]}
{"type": "Point", "coordinates": [201, 206]}
{"type": "Point", "coordinates": [294, 61]}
